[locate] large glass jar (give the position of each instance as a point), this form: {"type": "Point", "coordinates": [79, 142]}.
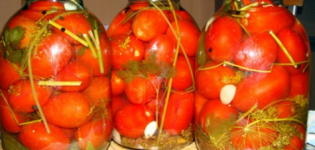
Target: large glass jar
{"type": "Point", "coordinates": [154, 43]}
{"type": "Point", "coordinates": [252, 78]}
{"type": "Point", "coordinates": [55, 78]}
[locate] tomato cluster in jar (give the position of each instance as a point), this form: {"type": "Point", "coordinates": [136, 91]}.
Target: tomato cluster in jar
{"type": "Point", "coordinates": [152, 78]}
{"type": "Point", "coordinates": [252, 78]}
{"type": "Point", "coordinates": [55, 78]}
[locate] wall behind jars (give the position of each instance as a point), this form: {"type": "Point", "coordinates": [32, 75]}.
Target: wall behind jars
{"type": "Point", "coordinates": [105, 10]}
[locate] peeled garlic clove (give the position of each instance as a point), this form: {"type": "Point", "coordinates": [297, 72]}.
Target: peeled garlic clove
{"type": "Point", "coordinates": [227, 94]}
{"type": "Point", "coordinates": [150, 129]}
{"type": "Point", "coordinates": [116, 136]}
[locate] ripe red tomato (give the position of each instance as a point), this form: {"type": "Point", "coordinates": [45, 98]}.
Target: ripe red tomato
{"type": "Point", "coordinates": [261, 89]}
{"type": "Point", "coordinates": [264, 19]}
{"type": "Point", "coordinates": [98, 91]}
{"type": "Point", "coordinates": [248, 2]}
{"type": "Point", "coordinates": [149, 23]}
{"type": "Point", "coordinates": [179, 112]}
{"type": "Point", "coordinates": [252, 137]}
{"type": "Point", "coordinates": [35, 136]}
{"type": "Point", "coordinates": [184, 74]}
{"type": "Point", "coordinates": [162, 47]}
{"type": "Point", "coordinates": [118, 102]}
{"type": "Point", "coordinates": [125, 48]}
{"type": "Point", "coordinates": [68, 110]}
{"type": "Point", "coordinates": [295, 46]}
{"type": "Point", "coordinates": [258, 51]}
{"type": "Point", "coordinates": [189, 36]}
{"type": "Point", "coordinates": [53, 53]}
{"type": "Point", "coordinates": [285, 109]}
{"type": "Point", "coordinates": [181, 15]}
{"type": "Point", "coordinates": [46, 5]}
{"type": "Point", "coordinates": [199, 104]}
{"type": "Point", "coordinates": [76, 23]}
{"type": "Point", "coordinates": [222, 39]}
{"type": "Point", "coordinates": [132, 119]}
{"type": "Point", "coordinates": [118, 85]}
{"type": "Point", "coordinates": [140, 90]}
{"type": "Point", "coordinates": [21, 96]}
{"type": "Point", "coordinates": [298, 27]}
{"type": "Point", "coordinates": [97, 131]}
{"type": "Point", "coordinates": [297, 141]}
{"type": "Point", "coordinates": [75, 71]}
{"type": "Point", "coordinates": [210, 82]}
{"type": "Point", "coordinates": [8, 74]}
{"type": "Point", "coordinates": [300, 85]}
{"type": "Point", "coordinates": [35, 15]}
{"type": "Point", "coordinates": [214, 108]}
{"type": "Point", "coordinates": [119, 25]}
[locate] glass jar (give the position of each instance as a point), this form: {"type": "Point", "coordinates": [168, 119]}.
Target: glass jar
{"type": "Point", "coordinates": [252, 78]}
{"type": "Point", "coordinates": [152, 78]}
{"type": "Point", "coordinates": [55, 78]}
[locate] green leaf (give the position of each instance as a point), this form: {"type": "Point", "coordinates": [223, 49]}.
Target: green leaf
{"type": "Point", "coordinates": [150, 65]}
{"type": "Point", "coordinates": [89, 146]}
{"type": "Point", "coordinates": [81, 51]}
{"type": "Point", "coordinates": [16, 35]}
{"type": "Point", "coordinates": [126, 75]}
{"type": "Point", "coordinates": [10, 142]}
{"type": "Point", "coordinates": [217, 127]}
{"type": "Point", "coordinates": [16, 56]}
{"type": "Point", "coordinates": [167, 71]}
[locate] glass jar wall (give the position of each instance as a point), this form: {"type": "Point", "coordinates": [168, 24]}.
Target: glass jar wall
{"type": "Point", "coordinates": [154, 43]}
{"type": "Point", "coordinates": [252, 78]}
{"type": "Point", "coordinates": [55, 78]}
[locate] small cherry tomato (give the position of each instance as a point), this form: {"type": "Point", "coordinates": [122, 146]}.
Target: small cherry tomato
{"type": "Point", "coordinates": [184, 73]}
{"type": "Point", "coordinates": [46, 5]}
{"type": "Point", "coordinates": [119, 25]}
{"type": "Point", "coordinates": [285, 109]}
{"type": "Point", "coordinates": [132, 119]}
{"type": "Point", "coordinates": [118, 85]}
{"type": "Point", "coordinates": [98, 91]}
{"type": "Point", "coordinates": [300, 85]}
{"type": "Point", "coordinates": [68, 110]}
{"type": "Point", "coordinates": [8, 73]}
{"type": "Point", "coordinates": [181, 15]}
{"type": "Point", "coordinates": [297, 140]}
{"type": "Point", "coordinates": [199, 104]}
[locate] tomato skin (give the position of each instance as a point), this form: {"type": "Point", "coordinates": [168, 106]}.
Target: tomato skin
{"type": "Point", "coordinates": [261, 88]}
{"type": "Point", "coordinates": [300, 84]}
{"type": "Point", "coordinates": [8, 74]}
{"type": "Point", "coordinates": [149, 23]}
{"type": "Point", "coordinates": [162, 47]}
{"type": "Point", "coordinates": [46, 5]}
{"type": "Point", "coordinates": [222, 38]}
{"type": "Point", "coordinates": [184, 75]}
{"type": "Point", "coordinates": [35, 136]}
{"type": "Point", "coordinates": [132, 119]}
{"type": "Point", "coordinates": [181, 15]}
{"type": "Point", "coordinates": [189, 34]}
{"type": "Point", "coordinates": [117, 27]}
{"type": "Point", "coordinates": [285, 109]}
{"type": "Point", "coordinates": [53, 53]}
{"type": "Point", "coordinates": [97, 131]}
{"type": "Point", "coordinates": [179, 112]}
{"type": "Point", "coordinates": [123, 47]}
{"type": "Point", "coordinates": [118, 85]}
{"type": "Point", "coordinates": [264, 19]}
{"type": "Point", "coordinates": [68, 110]}
{"type": "Point", "coordinates": [259, 51]}
{"type": "Point", "coordinates": [210, 82]}
{"type": "Point", "coordinates": [75, 71]}
{"type": "Point", "coordinates": [218, 110]}
{"type": "Point", "coordinates": [295, 46]}
{"type": "Point", "coordinates": [138, 5]}
{"type": "Point", "coordinates": [298, 27]}
{"type": "Point", "coordinates": [140, 90]}
{"type": "Point", "coordinates": [297, 141]}
{"type": "Point", "coordinates": [118, 102]}
{"type": "Point", "coordinates": [21, 96]}
{"type": "Point", "coordinates": [98, 91]}
{"type": "Point", "coordinates": [199, 104]}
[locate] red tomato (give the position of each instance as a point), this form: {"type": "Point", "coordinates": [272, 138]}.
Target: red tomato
{"type": "Point", "coordinates": [75, 71]}
{"type": "Point", "coordinates": [35, 15]}
{"type": "Point", "coordinates": [149, 23]}
{"type": "Point", "coordinates": [261, 89]}
{"type": "Point", "coordinates": [179, 112]}
{"type": "Point", "coordinates": [8, 74]}
{"type": "Point", "coordinates": [222, 38]}
{"type": "Point", "coordinates": [53, 53]}
{"type": "Point", "coordinates": [295, 46]}
{"type": "Point", "coordinates": [46, 5]}
{"type": "Point", "coordinates": [264, 19]}
{"type": "Point", "coordinates": [119, 25]}
{"type": "Point", "coordinates": [214, 109]}
{"type": "Point", "coordinates": [199, 103]}
{"type": "Point", "coordinates": [98, 91]}
{"type": "Point", "coordinates": [162, 48]}
{"type": "Point", "coordinates": [132, 119]}
{"type": "Point", "coordinates": [189, 36]}
{"type": "Point", "coordinates": [140, 90]}
{"type": "Point", "coordinates": [69, 131]}
{"type": "Point", "coordinates": [137, 5]}
{"type": "Point", "coordinates": [181, 15]}
{"type": "Point", "coordinates": [155, 102]}
{"type": "Point", "coordinates": [88, 58]}
{"type": "Point", "coordinates": [248, 2]}
{"type": "Point", "coordinates": [285, 109]}
{"type": "Point", "coordinates": [76, 23]}
{"type": "Point", "coordinates": [125, 48]}
{"type": "Point", "coordinates": [27, 24]}
{"type": "Point", "coordinates": [298, 27]}
{"type": "Point", "coordinates": [259, 51]}
{"type": "Point", "coordinates": [297, 141]}
{"type": "Point", "coordinates": [118, 85]}
{"type": "Point", "coordinates": [118, 102]}
{"type": "Point", "coordinates": [8, 123]}
{"type": "Point", "coordinates": [68, 110]}
{"type": "Point", "coordinates": [97, 131]}
{"type": "Point", "coordinates": [184, 73]}
{"type": "Point", "coordinates": [21, 96]}
{"type": "Point", "coordinates": [35, 136]}
{"type": "Point", "coordinates": [210, 82]}
{"type": "Point", "coordinates": [300, 85]}
{"type": "Point", "coordinates": [252, 137]}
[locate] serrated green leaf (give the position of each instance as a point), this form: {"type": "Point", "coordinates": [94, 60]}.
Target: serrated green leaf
{"type": "Point", "coordinates": [217, 127]}
{"type": "Point", "coordinates": [16, 56]}
{"type": "Point", "coordinates": [167, 71]}
{"type": "Point", "coordinates": [81, 51]}
{"type": "Point", "coordinates": [89, 146]}
{"type": "Point", "coordinates": [133, 66]}
{"type": "Point", "coordinates": [16, 35]}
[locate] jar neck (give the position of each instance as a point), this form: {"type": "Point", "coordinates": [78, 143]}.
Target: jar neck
{"type": "Point", "coordinates": [67, 3]}
{"type": "Point", "coordinates": [175, 3]}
